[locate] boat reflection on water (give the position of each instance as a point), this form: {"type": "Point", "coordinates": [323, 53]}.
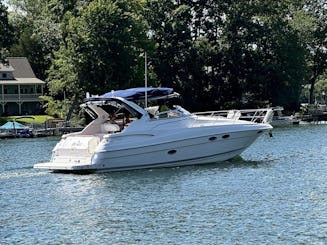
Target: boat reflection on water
{"type": "Point", "coordinates": [125, 136]}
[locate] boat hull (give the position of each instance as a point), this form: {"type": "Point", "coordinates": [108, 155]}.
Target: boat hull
{"type": "Point", "coordinates": [172, 138]}
{"type": "Point", "coordinates": [208, 147]}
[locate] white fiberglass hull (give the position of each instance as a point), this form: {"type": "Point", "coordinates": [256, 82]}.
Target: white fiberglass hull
{"type": "Point", "coordinates": [113, 142]}
{"type": "Point", "coordinates": [139, 151]}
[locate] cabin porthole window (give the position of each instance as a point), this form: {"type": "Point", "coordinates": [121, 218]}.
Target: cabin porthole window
{"type": "Point", "coordinates": [225, 136]}
{"type": "Point", "coordinates": [171, 152]}
{"type": "Point", "coordinates": [213, 138]}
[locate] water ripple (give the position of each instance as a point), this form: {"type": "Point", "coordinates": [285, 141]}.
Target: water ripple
{"type": "Point", "coordinates": [276, 193]}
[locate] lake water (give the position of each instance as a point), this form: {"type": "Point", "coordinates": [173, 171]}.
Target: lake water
{"type": "Point", "coordinates": [276, 193]}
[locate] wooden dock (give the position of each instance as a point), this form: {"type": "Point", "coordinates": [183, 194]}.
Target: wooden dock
{"type": "Point", "coordinates": [40, 132]}
{"type": "Point", "coordinates": [58, 131]}
{"type": "Point", "coordinates": [315, 118]}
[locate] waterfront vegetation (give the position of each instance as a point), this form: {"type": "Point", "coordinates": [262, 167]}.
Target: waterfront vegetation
{"type": "Point", "coordinates": [38, 119]}
{"type": "Point", "coordinates": [217, 54]}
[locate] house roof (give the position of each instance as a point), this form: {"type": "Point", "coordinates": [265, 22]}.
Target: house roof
{"type": "Point", "coordinates": [25, 81]}
{"type": "Point", "coordinates": [22, 68]}
{"type": "Point", "coordinates": [6, 68]}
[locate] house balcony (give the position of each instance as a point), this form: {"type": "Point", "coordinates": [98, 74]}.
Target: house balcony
{"type": "Point", "coordinates": [20, 98]}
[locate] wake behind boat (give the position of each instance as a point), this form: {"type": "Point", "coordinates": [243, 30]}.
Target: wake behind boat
{"type": "Point", "coordinates": [125, 136]}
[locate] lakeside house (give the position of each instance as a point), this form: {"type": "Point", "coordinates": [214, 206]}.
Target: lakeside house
{"type": "Point", "coordinates": [19, 88]}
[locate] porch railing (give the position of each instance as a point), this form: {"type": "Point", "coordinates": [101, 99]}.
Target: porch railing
{"type": "Point", "coordinates": [19, 97]}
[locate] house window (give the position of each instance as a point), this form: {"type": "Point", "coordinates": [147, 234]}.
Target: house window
{"type": "Point", "coordinates": [32, 90]}
{"type": "Point", "coordinates": [4, 75]}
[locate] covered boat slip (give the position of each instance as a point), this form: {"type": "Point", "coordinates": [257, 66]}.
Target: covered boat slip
{"type": "Point", "coordinates": [13, 129]}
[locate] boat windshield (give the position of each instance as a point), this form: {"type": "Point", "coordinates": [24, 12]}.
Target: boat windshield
{"type": "Point", "coordinates": [176, 111]}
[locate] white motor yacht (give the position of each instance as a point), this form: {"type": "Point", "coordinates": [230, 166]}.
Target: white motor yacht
{"type": "Point", "coordinates": [125, 136]}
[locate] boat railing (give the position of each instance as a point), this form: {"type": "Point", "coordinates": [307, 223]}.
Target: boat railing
{"type": "Point", "coordinates": [254, 115]}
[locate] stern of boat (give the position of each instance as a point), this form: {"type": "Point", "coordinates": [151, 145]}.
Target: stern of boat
{"type": "Point", "coordinates": [72, 153]}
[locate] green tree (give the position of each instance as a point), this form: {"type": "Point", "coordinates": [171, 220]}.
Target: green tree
{"type": "Point", "coordinates": [6, 31]}
{"type": "Point", "coordinates": [40, 29]}
{"type": "Point", "coordinates": [310, 21]}
{"type": "Point", "coordinates": [26, 44]}
{"type": "Point", "coordinates": [222, 51]}
{"type": "Point", "coordinates": [176, 59]}
{"type": "Point", "coordinates": [216, 53]}
{"type": "Point", "coordinates": [102, 50]}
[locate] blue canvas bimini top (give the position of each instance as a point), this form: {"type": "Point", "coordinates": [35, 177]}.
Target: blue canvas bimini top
{"type": "Point", "coordinates": [139, 93]}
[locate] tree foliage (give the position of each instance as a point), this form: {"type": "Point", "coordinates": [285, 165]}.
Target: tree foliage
{"type": "Point", "coordinates": [6, 31]}
{"type": "Point", "coordinates": [217, 54]}
{"type": "Point", "coordinates": [310, 21]}
{"type": "Point", "coordinates": [102, 49]}
{"type": "Point", "coordinates": [231, 51]}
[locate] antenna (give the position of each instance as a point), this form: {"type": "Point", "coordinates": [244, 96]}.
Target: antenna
{"type": "Point", "coordinates": [146, 79]}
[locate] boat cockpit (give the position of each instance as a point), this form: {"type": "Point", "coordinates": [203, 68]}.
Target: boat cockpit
{"type": "Point", "coordinates": [114, 114]}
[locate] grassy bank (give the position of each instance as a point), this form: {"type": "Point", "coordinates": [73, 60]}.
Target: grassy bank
{"type": "Point", "coordinates": [27, 119]}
